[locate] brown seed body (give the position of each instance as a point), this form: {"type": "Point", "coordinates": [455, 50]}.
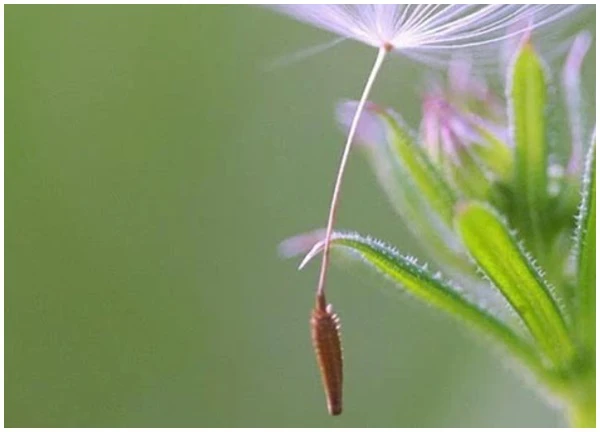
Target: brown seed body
{"type": "Point", "coordinates": [325, 330]}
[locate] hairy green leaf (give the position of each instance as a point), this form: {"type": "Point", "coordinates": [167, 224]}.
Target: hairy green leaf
{"type": "Point", "coordinates": [468, 174]}
{"type": "Point", "coordinates": [431, 289]}
{"type": "Point", "coordinates": [427, 179]}
{"type": "Point", "coordinates": [493, 152]}
{"type": "Point", "coordinates": [498, 254]}
{"type": "Point", "coordinates": [527, 94]}
{"type": "Point", "coordinates": [440, 242]}
{"type": "Point", "coordinates": [585, 253]}
{"type": "Point", "coordinates": [403, 191]}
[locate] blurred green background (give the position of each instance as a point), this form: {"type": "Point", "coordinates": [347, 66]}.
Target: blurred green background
{"type": "Point", "coordinates": [152, 167]}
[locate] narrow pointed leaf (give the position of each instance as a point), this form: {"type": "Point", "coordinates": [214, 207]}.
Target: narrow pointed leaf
{"type": "Point", "coordinates": [431, 289]}
{"type": "Point", "coordinates": [427, 179]}
{"type": "Point", "coordinates": [493, 151]}
{"type": "Point", "coordinates": [416, 214]}
{"type": "Point", "coordinates": [436, 237]}
{"type": "Point", "coordinates": [527, 94]}
{"type": "Point", "coordinates": [497, 252]}
{"type": "Point", "coordinates": [585, 253]}
{"type": "Point", "coordinates": [468, 174]}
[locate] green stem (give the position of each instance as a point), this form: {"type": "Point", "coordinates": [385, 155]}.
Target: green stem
{"type": "Point", "coordinates": [582, 407]}
{"type": "Point", "coordinates": [583, 414]}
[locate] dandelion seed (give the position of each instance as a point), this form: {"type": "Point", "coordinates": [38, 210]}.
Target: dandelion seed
{"type": "Point", "coordinates": [424, 32]}
{"type": "Point", "coordinates": [419, 31]}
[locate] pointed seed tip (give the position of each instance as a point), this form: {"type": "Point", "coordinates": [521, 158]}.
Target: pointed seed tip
{"type": "Point", "coordinates": [335, 410]}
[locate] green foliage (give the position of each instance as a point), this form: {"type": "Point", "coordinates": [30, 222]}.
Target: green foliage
{"type": "Point", "coordinates": [496, 223]}
{"type": "Point", "coordinates": [510, 270]}
{"type": "Point", "coordinates": [527, 92]}
{"type": "Point", "coordinates": [585, 252]}
{"type": "Point", "coordinates": [433, 290]}
{"type": "Point", "coordinates": [423, 174]}
{"type": "Point", "coordinates": [415, 188]}
{"type": "Point", "coordinates": [494, 153]}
